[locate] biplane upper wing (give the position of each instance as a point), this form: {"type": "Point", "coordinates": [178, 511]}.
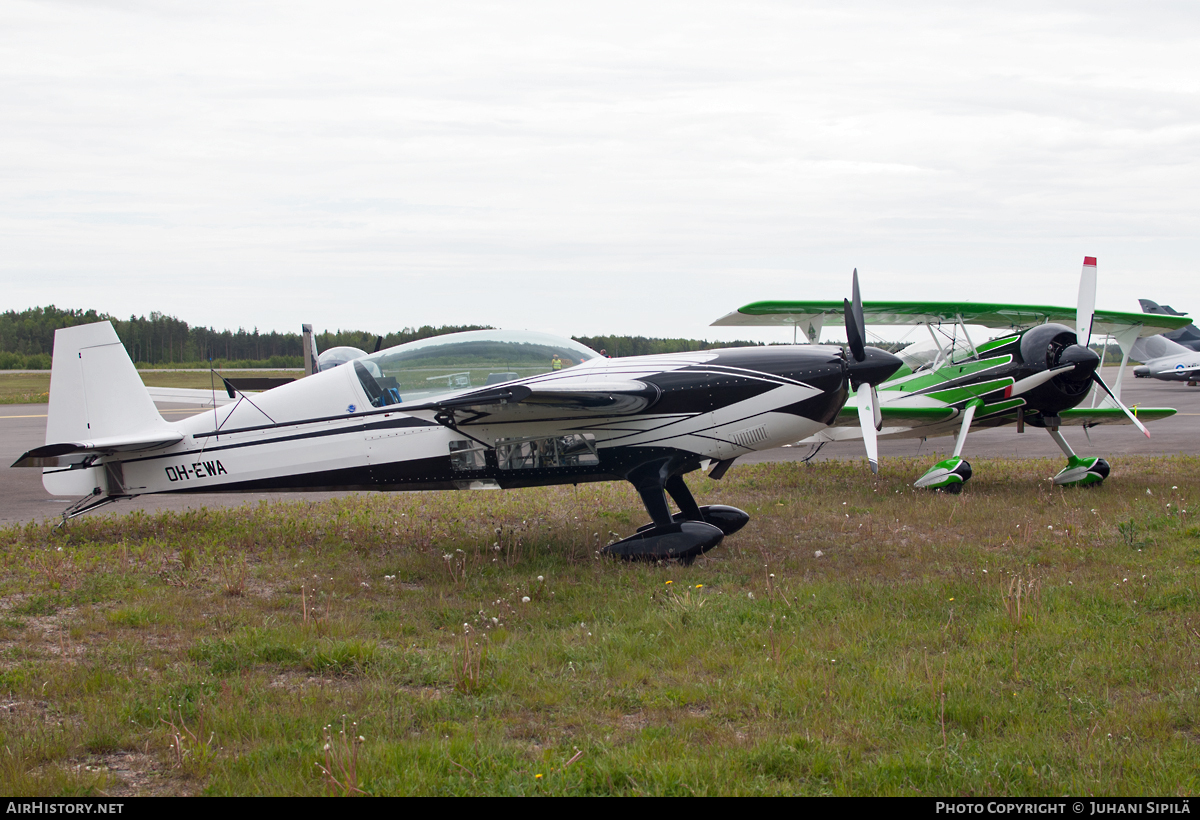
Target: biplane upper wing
{"type": "Point", "coordinates": [993, 315]}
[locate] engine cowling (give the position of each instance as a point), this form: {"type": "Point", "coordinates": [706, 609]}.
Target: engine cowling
{"type": "Point", "coordinates": [1053, 346]}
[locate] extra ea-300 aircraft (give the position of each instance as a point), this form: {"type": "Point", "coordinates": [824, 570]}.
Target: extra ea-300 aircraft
{"type": "Point", "coordinates": [475, 410]}
{"type": "Point", "coordinates": [1038, 376]}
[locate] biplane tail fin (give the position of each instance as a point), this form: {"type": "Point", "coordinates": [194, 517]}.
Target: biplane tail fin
{"type": "Point", "coordinates": [98, 406]}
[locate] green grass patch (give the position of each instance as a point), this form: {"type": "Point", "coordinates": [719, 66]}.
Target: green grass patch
{"type": "Point", "coordinates": [857, 637]}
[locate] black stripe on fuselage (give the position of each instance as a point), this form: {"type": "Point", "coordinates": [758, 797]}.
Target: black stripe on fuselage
{"type": "Point", "coordinates": [437, 474]}
{"type": "Point", "coordinates": [406, 421]}
{"type": "Point", "coordinates": [337, 431]}
{"type": "Point", "coordinates": [784, 361]}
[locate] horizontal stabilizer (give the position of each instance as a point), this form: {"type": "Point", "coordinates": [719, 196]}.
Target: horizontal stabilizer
{"type": "Point", "coordinates": [80, 452]}
{"type": "Point", "coordinates": [190, 395]}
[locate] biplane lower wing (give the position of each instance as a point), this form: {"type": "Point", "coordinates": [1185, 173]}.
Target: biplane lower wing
{"type": "Point", "coordinates": [1091, 417]}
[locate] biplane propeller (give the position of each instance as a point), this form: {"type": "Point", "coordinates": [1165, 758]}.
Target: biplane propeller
{"type": "Point", "coordinates": [477, 410]}
{"type": "Point", "coordinates": [1037, 375]}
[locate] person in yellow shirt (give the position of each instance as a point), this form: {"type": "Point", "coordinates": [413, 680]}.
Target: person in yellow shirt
{"type": "Point", "coordinates": [556, 363]}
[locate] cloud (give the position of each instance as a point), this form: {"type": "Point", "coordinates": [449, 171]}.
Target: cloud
{"type": "Point", "coordinates": [618, 168]}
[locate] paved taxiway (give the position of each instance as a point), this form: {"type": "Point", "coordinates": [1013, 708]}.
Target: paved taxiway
{"type": "Point", "coordinates": [23, 427]}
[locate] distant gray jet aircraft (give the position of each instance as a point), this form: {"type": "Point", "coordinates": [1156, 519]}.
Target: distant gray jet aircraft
{"type": "Point", "coordinates": [1166, 360]}
{"type": "Point", "coordinates": [1188, 336]}
{"type": "Point", "coordinates": [1172, 356]}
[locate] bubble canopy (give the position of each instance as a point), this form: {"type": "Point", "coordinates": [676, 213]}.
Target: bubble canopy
{"type": "Point", "coordinates": [423, 369]}
{"type": "Point", "coordinates": [336, 356]}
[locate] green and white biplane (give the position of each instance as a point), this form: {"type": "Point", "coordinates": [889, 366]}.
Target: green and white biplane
{"type": "Point", "coordinates": [1037, 374]}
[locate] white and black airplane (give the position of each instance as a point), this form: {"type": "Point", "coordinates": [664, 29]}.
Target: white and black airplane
{"type": "Point", "coordinates": [484, 409]}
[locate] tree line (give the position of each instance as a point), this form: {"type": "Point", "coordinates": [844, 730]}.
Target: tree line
{"type": "Point", "coordinates": [618, 346]}
{"type": "Point", "coordinates": [27, 340]}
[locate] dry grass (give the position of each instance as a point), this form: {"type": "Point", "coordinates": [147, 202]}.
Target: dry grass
{"type": "Point", "coordinates": [1010, 640]}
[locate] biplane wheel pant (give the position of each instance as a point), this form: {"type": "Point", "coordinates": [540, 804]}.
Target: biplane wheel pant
{"type": "Point", "coordinates": [684, 536]}
{"type": "Point", "coordinates": [947, 476]}
{"type": "Point", "coordinates": [1081, 471]}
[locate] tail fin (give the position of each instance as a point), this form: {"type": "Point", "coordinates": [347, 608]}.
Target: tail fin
{"type": "Point", "coordinates": [95, 391]}
{"type": "Point", "coordinates": [1154, 307]}
{"type": "Point", "coordinates": [98, 406]}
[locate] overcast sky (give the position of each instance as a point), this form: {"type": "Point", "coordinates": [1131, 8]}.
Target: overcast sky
{"type": "Point", "coordinates": [637, 168]}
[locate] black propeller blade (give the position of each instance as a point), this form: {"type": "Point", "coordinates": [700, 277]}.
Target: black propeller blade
{"type": "Point", "coordinates": [378, 344]}
{"type": "Point", "coordinates": [870, 367]}
{"type": "Point", "coordinates": [856, 329]}
{"type": "Point", "coordinates": [1096, 378]}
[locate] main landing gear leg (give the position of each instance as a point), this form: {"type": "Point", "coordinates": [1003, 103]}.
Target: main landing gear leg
{"type": "Point", "coordinates": [683, 536]}
{"type": "Point", "coordinates": [725, 518]}
{"type": "Point", "coordinates": [1079, 472]}
{"type": "Point", "coordinates": [951, 474]}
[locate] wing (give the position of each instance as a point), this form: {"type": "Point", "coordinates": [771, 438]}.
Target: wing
{"type": "Point", "coordinates": [1090, 417]}
{"type": "Point", "coordinates": [546, 400]}
{"type": "Point", "coordinates": [1002, 316]}
{"type": "Point", "coordinates": [907, 417]}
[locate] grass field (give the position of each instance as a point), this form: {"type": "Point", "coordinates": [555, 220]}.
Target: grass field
{"type": "Point", "coordinates": [34, 388]}
{"type": "Point", "coordinates": [857, 637]}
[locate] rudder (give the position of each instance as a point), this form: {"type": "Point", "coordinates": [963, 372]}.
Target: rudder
{"type": "Point", "coordinates": [95, 393]}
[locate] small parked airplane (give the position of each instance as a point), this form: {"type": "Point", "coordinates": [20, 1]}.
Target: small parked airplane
{"type": "Point", "coordinates": [1038, 376]}
{"type": "Point", "coordinates": [476, 410]}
